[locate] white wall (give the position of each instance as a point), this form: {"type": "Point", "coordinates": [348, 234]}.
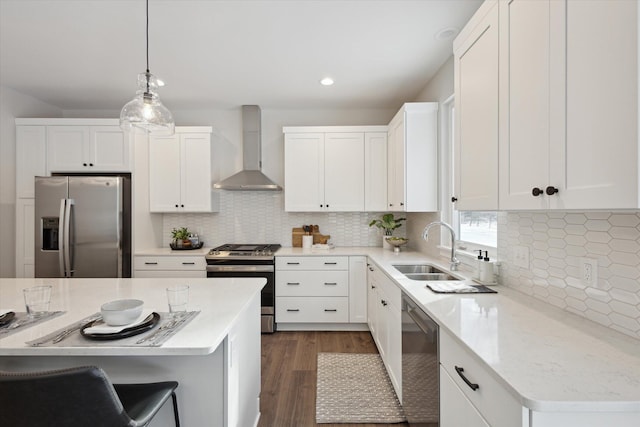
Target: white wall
{"type": "Point", "coordinates": [13, 105]}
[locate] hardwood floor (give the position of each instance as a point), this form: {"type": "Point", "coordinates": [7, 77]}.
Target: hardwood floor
{"type": "Point", "coordinates": [288, 397]}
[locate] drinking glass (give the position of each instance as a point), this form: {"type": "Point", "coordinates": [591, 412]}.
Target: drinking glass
{"type": "Point", "coordinates": [37, 299]}
{"type": "Point", "coordinates": [178, 297]}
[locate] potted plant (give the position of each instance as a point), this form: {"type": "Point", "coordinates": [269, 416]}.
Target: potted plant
{"type": "Point", "coordinates": [387, 224]}
{"type": "Point", "coordinates": [180, 237]}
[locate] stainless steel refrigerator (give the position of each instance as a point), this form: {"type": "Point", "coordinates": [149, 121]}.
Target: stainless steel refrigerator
{"type": "Point", "coordinates": [83, 226]}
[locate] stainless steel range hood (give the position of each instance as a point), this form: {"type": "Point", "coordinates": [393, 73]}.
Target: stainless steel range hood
{"type": "Point", "coordinates": [250, 178]}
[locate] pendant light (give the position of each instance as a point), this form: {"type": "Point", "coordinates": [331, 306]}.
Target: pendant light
{"type": "Point", "coordinates": [145, 112]}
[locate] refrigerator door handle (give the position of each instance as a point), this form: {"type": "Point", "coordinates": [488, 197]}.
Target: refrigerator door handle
{"type": "Point", "coordinates": [67, 242]}
{"type": "Point", "coordinates": [63, 272]}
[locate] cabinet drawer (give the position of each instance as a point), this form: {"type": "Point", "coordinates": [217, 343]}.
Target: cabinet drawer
{"type": "Point", "coordinates": [313, 263]}
{"type": "Point", "coordinates": [496, 404]}
{"type": "Point", "coordinates": [170, 263]}
{"type": "Point", "coordinates": [312, 283]}
{"type": "Point", "coordinates": [312, 309]}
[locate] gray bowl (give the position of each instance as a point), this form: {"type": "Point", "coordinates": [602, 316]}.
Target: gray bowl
{"type": "Point", "coordinates": [121, 312]}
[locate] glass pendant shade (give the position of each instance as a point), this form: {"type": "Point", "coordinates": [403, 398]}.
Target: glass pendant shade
{"type": "Point", "coordinates": [145, 113]}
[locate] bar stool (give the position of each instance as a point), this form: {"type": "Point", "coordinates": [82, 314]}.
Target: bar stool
{"type": "Point", "coordinates": [81, 396]}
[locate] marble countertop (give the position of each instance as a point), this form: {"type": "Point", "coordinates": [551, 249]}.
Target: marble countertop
{"type": "Point", "coordinates": [220, 302]}
{"type": "Point", "coordinates": [549, 359]}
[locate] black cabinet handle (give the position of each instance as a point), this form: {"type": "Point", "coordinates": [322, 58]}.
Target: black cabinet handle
{"type": "Point", "coordinates": [150, 263]}
{"type": "Point", "coordinates": [293, 263]}
{"type": "Point", "coordinates": [330, 263]}
{"type": "Point", "coordinates": [390, 204]}
{"type": "Point", "coordinates": [454, 199]}
{"type": "Point", "coordinates": [551, 190]}
{"type": "Point", "coordinates": [91, 164]}
{"type": "Point", "coordinates": [176, 206]}
{"type": "Point", "coordinates": [327, 205]}
{"type": "Point", "coordinates": [371, 269]}
{"type": "Point", "coordinates": [293, 309]}
{"type": "Point", "coordinates": [182, 206]}
{"type": "Point", "coordinates": [84, 164]}
{"type": "Point", "coordinates": [401, 203]}
{"type": "Point", "coordinates": [321, 206]}
{"type": "Point", "coordinates": [330, 310]}
{"type": "Point", "coordinates": [330, 284]}
{"type": "Point", "coordinates": [383, 302]}
{"type": "Point", "coordinates": [373, 287]}
{"type": "Point", "coordinates": [293, 284]}
{"type": "Point", "coordinates": [460, 371]}
{"type": "Point", "coordinates": [536, 191]}
{"type": "Point", "coordinates": [188, 263]}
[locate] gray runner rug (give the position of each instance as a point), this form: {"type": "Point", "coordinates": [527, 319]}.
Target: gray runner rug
{"type": "Point", "coordinates": [355, 388]}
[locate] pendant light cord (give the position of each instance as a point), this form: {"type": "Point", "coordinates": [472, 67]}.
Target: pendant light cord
{"type": "Point", "coordinates": [147, 11]}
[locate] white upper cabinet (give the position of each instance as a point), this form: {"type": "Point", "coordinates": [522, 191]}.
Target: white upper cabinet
{"type": "Point", "coordinates": [412, 158]}
{"type": "Point", "coordinates": [476, 111]}
{"type": "Point", "coordinates": [334, 168]}
{"type": "Point", "coordinates": [87, 149]}
{"type": "Point", "coordinates": [375, 171]}
{"type": "Point", "coordinates": [31, 158]}
{"type": "Point", "coordinates": [180, 171]}
{"type": "Point", "coordinates": [568, 104]}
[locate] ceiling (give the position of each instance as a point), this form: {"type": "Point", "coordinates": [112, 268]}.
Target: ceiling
{"type": "Point", "coordinates": [221, 54]}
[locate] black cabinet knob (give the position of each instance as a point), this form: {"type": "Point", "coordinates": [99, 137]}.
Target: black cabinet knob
{"type": "Point", "coordinates": [536, 191]}
{"type": "Point", "coordinates": [454, 199]}
{"type": "Point", "coordinates": [91, 164]}
{"type": "Point", "coordinates": [401, 203]}
{"type": "Point", "coordinates": [550, 190]}
{"type": "Point", "coordinates": [182, 206]}
{"type": "Point", "coordinates": [176, 206]}
{"type": "Point", "coordinates": [84, 164]}
{"type": "Point", "coordinates": [390, 204]}
{"type": "Point", "coordinates": [322, 206]}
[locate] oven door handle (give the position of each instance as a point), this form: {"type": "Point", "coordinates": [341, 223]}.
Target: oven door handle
{"type": "Point", "coordinates": [240, 268]}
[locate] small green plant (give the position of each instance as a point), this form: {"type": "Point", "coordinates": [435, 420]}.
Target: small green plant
{"type": "Point", "coordinates": [388, 223]}
{"type": "Point", "coordinates": [180, 233]}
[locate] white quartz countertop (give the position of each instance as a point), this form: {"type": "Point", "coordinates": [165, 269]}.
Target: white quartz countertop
{"type": "Point", "coordinates": [549, 359]}
{"type": "Point", "coordinates": [220, 302]}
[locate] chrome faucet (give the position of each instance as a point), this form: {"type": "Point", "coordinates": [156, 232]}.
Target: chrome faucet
{"type": "Point", "coordinates": [454, 261]}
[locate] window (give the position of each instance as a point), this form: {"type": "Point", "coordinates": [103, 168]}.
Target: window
{"type": "Point", "coordinates": [475, 230]}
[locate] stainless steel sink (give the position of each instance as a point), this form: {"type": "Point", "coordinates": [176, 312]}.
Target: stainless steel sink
{"type": "Point", "coordinates": [426, 272]}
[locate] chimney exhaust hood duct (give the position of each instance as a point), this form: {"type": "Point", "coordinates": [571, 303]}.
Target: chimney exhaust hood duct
{"type": "Point", "coordinates": [250, 178]}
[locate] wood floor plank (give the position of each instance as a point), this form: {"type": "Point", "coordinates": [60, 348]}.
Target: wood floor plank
{"type": "Point", "coordinates": [289, 365]}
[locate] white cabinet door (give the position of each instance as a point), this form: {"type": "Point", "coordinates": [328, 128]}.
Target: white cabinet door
{"type": "Point", "coordinates": [375, 172]}
{"type": "Point", "coordinates": [395, 162]}
{"type": "Point", "coordinates": [164, 174]}
{"type": "Point", "coordinates": [304, 172]}
{"type": "Point", "coordinates": [31, 158]}
{"type": "Point", "coordinates": [597, 167]}
{"type": "Point", "coordinates": [344, 172]}
{"type": "Point", "coordinates": [476, 112]}
{"type": "Point", "coordinates": [455, 408]}
{"type": "Point", "coordinates": [25, 237]}
{"type": "Point", "coordinates": [358, 289]}
{"type": "Point", "coordinates": [180, 172]}
{"type": "Point", "coordinates": [525, 103]}
{"type": "Point", "coordinates": [109, 149]}
{"type": "Point", "coordinates": [195, 182]}
{"type": "Point", "coordinates": [67, 148]}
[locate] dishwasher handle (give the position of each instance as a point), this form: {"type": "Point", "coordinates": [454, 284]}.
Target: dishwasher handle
{"type": "Point", "coordinates": [427, 326]}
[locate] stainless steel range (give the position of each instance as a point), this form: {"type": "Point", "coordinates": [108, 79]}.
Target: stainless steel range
{"type": "Point", "coordinates": [248, 260]}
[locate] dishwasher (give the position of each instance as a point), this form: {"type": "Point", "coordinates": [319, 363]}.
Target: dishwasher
{"type": "Point", "coordinates": [420, 371]}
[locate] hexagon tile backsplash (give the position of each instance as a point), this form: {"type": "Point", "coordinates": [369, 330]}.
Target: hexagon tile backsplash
{"type": "Point", "coordinates": [557, 242]}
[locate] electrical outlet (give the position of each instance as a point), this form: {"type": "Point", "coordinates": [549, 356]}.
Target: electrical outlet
{"type": "Point", "coordinates": [521, 256]}
{"type": "Point", "coordinates": [589, 272]}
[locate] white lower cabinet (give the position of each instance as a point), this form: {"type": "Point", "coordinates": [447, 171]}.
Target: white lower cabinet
{"type": "Point", "coordinates": [320, 290]}
{"type": "Point", "coordinates": [169, 266]}
{"type": "Point", "coordinates": [455, 409]}
{"type": "Point", "coordinates": [480, 390]}
{"type": "Point", "coordinates": [384, 319]}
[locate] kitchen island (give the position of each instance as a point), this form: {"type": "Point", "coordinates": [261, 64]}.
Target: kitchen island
{"type": "Point", "coordinates": [215, 357]}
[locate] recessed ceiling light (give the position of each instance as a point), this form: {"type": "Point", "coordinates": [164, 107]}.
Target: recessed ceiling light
{"type": "Point", "coordinates": [327, 81]}
{"type": "Point", "coordinates": [446, 33]}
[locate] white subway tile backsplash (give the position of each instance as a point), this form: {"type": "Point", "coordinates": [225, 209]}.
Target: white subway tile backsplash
{"type": "Point", "coordinates": [557, 241]}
